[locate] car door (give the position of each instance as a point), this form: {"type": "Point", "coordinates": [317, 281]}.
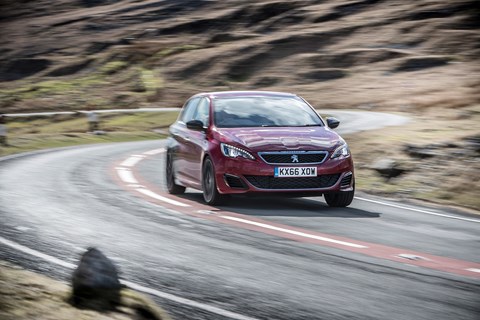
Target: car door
{"type": "Point", "coordinates": [198, 141]}
{"type": "Point", "coordinates": [180, 133]}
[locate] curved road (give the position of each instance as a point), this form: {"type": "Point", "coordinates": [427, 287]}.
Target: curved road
{"type": "Point", "coordinates": [253, 259]}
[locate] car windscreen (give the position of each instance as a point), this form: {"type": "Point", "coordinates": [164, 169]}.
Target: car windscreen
{"type": "Point", "coordinates": [239, 112]}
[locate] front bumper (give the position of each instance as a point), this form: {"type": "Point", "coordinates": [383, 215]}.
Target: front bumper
{"type": "Point", "coordinates": [238, 176]}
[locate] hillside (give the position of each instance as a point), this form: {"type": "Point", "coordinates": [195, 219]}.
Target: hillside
{"type": "Point", "coordinates": [381, 54]}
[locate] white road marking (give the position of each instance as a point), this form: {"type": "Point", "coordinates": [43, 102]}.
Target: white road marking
{"type": "Point", "coordinates": [297, 233]}
{"type": "Point", "coordinates": [411, 257]}
{"type": "Point", "coordinates": [188, 302]}
{"type": "Point", "coordinates": [132, 160]}
{"type": "Point", "coordinates": [474, 270]}
{"type": "Point", "coordinates": [23, 229]}
{"type": "Point", "coordinates": [135, 186]}
{"type": "Point", "coordinates": [132, 285]}
{"type": "Point", "coordinates": [36, 253]}
{"type": "Point", "coordinates": [126, 176]}
{"type": "Point", "coordinates": [205, 211]}
{"type": "Point", "coordinates": [153, 195]}
{"type": "Point", "coordinates": [419, 210]}
{"type": "Point", "coordinates": [155, 151]}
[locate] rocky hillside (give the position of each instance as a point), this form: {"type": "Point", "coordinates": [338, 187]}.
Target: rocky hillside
{"type": "Point", "coordinates": [400, 55]}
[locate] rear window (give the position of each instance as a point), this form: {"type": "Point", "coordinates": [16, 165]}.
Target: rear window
{"type": "Point", "coordinates": [263, 112]}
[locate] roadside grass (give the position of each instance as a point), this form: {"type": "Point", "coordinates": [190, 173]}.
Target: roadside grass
{"type": "Point", "coordinates": [451, 176]}
{"type": "Point", "coordinates": [27, 295]}
{"type": "Point", "coordinates": [60, 131]}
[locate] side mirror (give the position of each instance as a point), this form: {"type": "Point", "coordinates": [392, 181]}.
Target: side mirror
{"type": "Point", "coordinates": [332, 122]}
{"type": "Point", "coordinates": [195, 125]}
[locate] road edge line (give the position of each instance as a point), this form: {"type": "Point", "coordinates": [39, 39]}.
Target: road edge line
{"type": "Point", "coordinates": [418, 210]}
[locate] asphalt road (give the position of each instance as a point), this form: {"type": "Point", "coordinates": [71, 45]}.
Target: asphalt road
{"type": "Point", "coordinates": [256, 258]}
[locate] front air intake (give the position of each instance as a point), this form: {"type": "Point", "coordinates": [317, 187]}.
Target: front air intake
{"type": "Point", "coordinates": [346, 181]}
{"type": "Point", "coordinates": [270, 182]}
{"type": "Point", "coordinates": [234, 182]}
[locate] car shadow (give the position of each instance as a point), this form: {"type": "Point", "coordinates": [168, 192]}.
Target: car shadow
{"type": "Point", "coordinates": [283, 207]}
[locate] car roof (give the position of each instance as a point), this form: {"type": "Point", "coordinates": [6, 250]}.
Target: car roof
{"type": "Point", "coordinates": [232, 94]}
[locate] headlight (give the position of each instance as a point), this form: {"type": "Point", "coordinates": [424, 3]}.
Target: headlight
{"type": "Point", "coordinates": [341, 152]}
{"type": "Point", "coordinates": [234, 152]}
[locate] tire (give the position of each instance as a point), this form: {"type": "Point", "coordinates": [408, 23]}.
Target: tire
{"type": "Point", "coordinates": [172, 187]}
{"type": "Point", "coordinates": [209, 185]}
{"type": "Point", "coordinates": [339, 199]}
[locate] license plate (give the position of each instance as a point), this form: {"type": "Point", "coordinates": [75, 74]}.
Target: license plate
{"type": "Point", "coordinates": [281, 172]}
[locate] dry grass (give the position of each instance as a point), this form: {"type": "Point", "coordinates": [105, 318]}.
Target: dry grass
{"type": "Point", "coordinates": [27, 295]}
{"type": "Point", "coordinates": [399, 55]}
{"type": "Point", "coordinates": [451, 177]}
{"type": "Point", "coordinates": [61, 131]}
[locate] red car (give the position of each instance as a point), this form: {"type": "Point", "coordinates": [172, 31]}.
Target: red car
{"type": "Point", "coordinates": [240, 142]}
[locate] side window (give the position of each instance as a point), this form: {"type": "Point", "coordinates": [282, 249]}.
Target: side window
{"type": "Point", "coordinates": [203, 112]}
{"type": "Point", "coordinates": [189, 110]}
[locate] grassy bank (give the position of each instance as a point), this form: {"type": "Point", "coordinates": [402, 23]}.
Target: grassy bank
{"type": "Point", "coordinates": [60, 131]}
{"type": "Point", "coordinates": [443, 168]}
{"type": "Point", "coordinates": [27, 295]}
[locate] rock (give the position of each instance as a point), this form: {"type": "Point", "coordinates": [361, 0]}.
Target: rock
{"type": "Point", "coordinates": [22, 68]}
{"type": "Point", "coordinates": [451, 145]}
{"type": "Point", "coordinates": [95, 282]}
{"type": "Point", "coordinates": [473, 143]}
{"type": "Point", "coordinates": [421, 152]}
{"type": "Point", "coordinates": [266, 82]}
{"type": "Point", "coordinates": [387, 168]}
{"type": "Point", "coordinates": [96, 47]}
{"type": "Point", "coordinates": [222, 37]}
{"type": "Point", "coordinates": [126, 40]}
{"type": "Point", "coordinates": [420, 63]}
{"type": "Point", "coordinates": [324, 74]}
{"type": "Point", "coordinates": [69, 69]}
{"type": "Point", "coordinates": [149, 32]}
{"type": "Point", "coordinates": [138, 86]}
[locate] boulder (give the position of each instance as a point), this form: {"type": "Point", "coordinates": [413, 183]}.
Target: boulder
{"type": "Point", "coordinates": [473, 143]}
{"type": "Point", "coordinates": [421, 152]}
{"type": "Point", "coordinates": [95, 282]}
{"type": "Point", "coordinates": [420, 63]}
{"type": "Point", "coordinates": [387, 168]}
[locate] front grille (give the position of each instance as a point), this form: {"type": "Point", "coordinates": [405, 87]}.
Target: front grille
{"type": "Point", "coordinates": [292, 157]}
{"type": "Point", "coordinates": [346, 181]}
{"type": "Point", "coordinates": [234, 182]}
{"type": "Point", "coordinates": [269, 182]}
